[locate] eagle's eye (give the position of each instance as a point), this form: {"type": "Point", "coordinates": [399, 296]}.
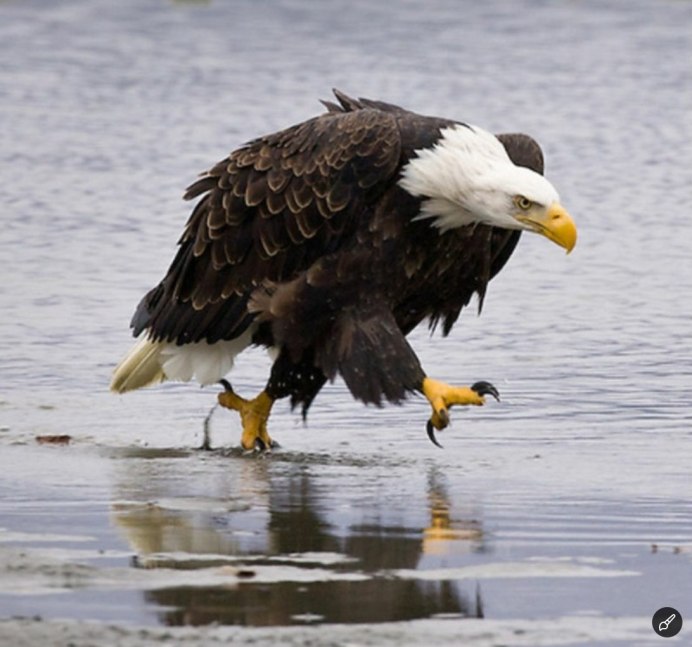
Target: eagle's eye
{"type": "Point", "coordinates": [523, 202]}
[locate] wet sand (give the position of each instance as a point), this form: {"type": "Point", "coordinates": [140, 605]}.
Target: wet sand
{"type": "Point", "coordinates": [566, 631]}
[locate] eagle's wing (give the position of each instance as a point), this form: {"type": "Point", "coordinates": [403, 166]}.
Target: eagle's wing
{"type": "Point", "coordinates": [266, 213]}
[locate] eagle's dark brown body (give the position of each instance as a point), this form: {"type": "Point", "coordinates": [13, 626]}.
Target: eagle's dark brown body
{"type": "Point", "coordinates": [306, 236]}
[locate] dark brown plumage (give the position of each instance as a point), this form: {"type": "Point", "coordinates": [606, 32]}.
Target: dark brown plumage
{"type": "Point", "coordinates": [307, 236]}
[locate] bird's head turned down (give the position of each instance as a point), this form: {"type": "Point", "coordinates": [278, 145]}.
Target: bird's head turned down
{"type": "Point", "coordinates": [468, 177]}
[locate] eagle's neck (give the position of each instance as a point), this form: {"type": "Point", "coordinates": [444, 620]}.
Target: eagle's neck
{"type": "Point", "coordinates": [453, 177]}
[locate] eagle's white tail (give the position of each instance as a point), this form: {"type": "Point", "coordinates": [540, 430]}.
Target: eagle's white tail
{"type": "Point", "coordinates": [150, 362]}
{"type": "Point", "coordinates": [140, 367]}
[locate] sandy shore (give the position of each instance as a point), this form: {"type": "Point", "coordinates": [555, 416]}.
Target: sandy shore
{"type": "Point", "coordinates": [480, 633]}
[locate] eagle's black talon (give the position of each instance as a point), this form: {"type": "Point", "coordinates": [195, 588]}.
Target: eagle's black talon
{"type": "Point", "coordinates": [262, 448]}
{"type": "Point", "coordinates": [431, 434]}
{"type": "Point", "coordinates": [226, 385]}
{"type": "Point", "coordinates": [485, 388]}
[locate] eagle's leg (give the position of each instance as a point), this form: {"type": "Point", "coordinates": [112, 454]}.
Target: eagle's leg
{"type": "Point", "coordinates": [442, 396]}
{"type": "Point", "coordinates": [253, 416]}
{"type": "Point", "coordinates": [300, 380]}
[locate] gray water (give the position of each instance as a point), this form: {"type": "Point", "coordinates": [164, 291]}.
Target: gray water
{"type": "Point", "coordinates": [569, 499]}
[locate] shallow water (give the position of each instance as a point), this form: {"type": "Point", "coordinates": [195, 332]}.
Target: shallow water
{"type": "Point", "coordinates": [571, 497]}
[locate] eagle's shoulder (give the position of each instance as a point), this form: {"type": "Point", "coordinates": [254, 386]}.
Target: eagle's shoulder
{"type": "Point", "coordinates": [416, 131]}
{"type": "Point", "coordinates": [274, 205]}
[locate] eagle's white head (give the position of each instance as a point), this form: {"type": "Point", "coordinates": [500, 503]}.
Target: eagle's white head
{"type": "Point", "coordinates": [467, 177]}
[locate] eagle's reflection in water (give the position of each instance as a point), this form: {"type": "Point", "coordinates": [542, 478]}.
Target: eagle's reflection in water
{"type": "Point", "coordinates": [256, 511]}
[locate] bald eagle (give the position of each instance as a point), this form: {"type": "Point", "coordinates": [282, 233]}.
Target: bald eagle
{"type": "Point", "coordinates": [328, 242]}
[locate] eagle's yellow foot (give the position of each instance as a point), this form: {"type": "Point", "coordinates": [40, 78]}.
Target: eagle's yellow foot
{"type": "Point", "coordinates": [253, 416]}
{"type": "Point", "coordinates": [442, 396]}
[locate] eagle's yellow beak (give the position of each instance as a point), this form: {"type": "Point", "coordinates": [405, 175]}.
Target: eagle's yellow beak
{"type": "Point", "coordinates": [554, 223]}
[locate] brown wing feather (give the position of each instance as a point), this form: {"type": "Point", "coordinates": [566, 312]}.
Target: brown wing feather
{"type": "Point", "coordinates": [266, 213]}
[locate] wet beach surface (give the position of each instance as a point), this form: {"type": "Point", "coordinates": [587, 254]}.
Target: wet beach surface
{"type": "Point", "coordinates": [561, 515]}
